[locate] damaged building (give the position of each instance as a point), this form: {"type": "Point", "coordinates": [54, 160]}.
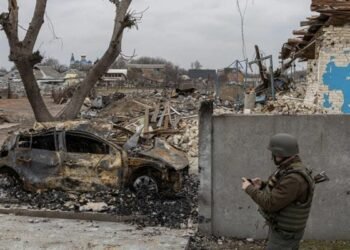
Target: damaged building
{"type": "Point", "coordinates": [114, 78]}
{"type": "Point", "coordinates": [324, 43]}
{"type": "Point", "coordinates": [232, 82]}
{"type": "Point", "coordinates": [47, 77]}
{"type": "Point", "coordinates": [146, 73]}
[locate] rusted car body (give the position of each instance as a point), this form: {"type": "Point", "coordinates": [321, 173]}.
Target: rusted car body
{"type": "Point", "coordinates": [82, 161]}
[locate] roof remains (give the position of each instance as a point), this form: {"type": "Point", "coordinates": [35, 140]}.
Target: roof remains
{"type": "Point", "coordinates": [46, 72]}
{"type": "Point", "coordinates": [302, 46]}
{"type": "Point", "coordinates": [331, 6]}
{"type": "Point", "coordinates": [146, 66]}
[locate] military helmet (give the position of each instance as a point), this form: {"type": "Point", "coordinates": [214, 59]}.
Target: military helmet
{"type": "Point", "coordinates": [283, 145]}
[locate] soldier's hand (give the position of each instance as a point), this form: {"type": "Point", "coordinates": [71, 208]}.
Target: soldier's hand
{"type": "Point", "coordinates": [245, 183]}
{"type": "Point", "coordinates": [257, 182]}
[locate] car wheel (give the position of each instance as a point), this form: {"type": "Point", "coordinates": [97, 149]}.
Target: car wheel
{"type": "Point", "coordinates": [8, 180]}
{"type": "Point", "coordinates": [145, 183]}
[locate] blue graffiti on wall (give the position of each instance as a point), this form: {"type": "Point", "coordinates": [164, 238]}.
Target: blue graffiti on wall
{"type": "Point", "coordinates": [326, 103]}
{"type": "Point", "coordinates": [337, 78]}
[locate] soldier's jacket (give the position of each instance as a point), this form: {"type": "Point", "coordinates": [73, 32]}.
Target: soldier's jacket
{"type": "Point", "coordinates": [291, 188]}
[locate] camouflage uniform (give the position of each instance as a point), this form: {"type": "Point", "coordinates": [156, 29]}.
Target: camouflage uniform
{"type": "Point", "coordinates": [285, 202]}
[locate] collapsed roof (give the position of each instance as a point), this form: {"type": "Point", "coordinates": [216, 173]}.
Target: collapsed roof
{"type": "Point", "coordinates": [302, 46]}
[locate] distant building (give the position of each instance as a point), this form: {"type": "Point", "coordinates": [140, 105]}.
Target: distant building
{"type": "Point", "coordinates": [4, 94]}
{"type": "Point", "coordinates": [114, 77]}
{"type": "Point", "coordinates": [81, 64]}
{"type": "Point", "coordinates": [202, 74]}
{"type": "Point", "coordinates": [147, 72]}
{"type": "Point", "coordinates": [12, 84]}
{"type": "Point", "coordinates": [230, 76]}
{"type": "Point", "coordinates": [73, 77]}
{"type": "Point", "coordinates": [46, 76]}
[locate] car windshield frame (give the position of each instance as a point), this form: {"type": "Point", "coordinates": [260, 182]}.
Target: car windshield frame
{"type": "Point", "coordinates": [88, 136]}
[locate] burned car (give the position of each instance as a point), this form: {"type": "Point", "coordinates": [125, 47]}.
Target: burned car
{"type": "Point", "coordinates": [78, 160]}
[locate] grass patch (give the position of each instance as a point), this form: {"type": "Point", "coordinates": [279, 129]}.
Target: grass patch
{"type": "Point", "coordinates": [325, 245]}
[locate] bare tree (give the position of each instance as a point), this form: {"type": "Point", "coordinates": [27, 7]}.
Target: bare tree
{"type": "Point", "coordinates": [54, 63]}
{"type": "Point", "coordinates": [24, 57]}
{"type": "Point", "coordinates": [196, 65]}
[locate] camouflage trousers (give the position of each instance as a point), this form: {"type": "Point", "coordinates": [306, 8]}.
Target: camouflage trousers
{"type": "Point", "coordinates": [281, 240]}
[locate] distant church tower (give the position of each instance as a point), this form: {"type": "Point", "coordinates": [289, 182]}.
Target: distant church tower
{"type": "Point", "coordinates": [72, 60]}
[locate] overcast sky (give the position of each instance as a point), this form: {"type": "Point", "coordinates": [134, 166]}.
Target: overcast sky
{"type": "Point", "coordinates": [180, 31]}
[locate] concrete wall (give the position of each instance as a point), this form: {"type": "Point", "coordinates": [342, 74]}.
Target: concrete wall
{"type": "Point", "coordinates": [329, 74]}
{"type": "Point", "coordinates": [238, 148]}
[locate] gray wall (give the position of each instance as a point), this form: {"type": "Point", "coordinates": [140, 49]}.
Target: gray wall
{"type": "Point", "coordinates": [239, 149]}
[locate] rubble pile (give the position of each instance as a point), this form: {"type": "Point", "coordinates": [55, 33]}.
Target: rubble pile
{"type": "Point", "coordinates": [290, 102]}
{"type": "Point", "coordinates": [179, 211]}
{"type": "Point", "coordinates": [3, 118]}
{"type": "Point", "coordinates": [61, 96]}
{"type": "Point", "coordinates": [287, 106]}
{"type": "Point", "coordinates": [172, 117]}
{"type": "Point", "coordinates": [298, 91]}
{"type": "Point", "coordinates": [188, 141]}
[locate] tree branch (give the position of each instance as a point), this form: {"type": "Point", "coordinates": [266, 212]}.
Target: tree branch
{"type": "Point", "coordinates": [9, 22]}
{"type": "Point", "coordinates": [123, 20]}
{"type": "Point", "coordinates": [35, 24]}
{"type": "Point", "coordinates": [13, 19]}
{"type": "Point", "coordinates": [121, 8]}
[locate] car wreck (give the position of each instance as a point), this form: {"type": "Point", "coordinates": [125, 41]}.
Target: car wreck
{"type": "Point", "coordinates": [69, 156]}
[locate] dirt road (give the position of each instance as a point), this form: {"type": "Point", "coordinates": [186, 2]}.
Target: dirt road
{"type": "Point", "coordinates": [20, 114]}
{"type": "Point", "coordinates": [37, 233]}
{"type": "Point", "coordinates": [19, 110]}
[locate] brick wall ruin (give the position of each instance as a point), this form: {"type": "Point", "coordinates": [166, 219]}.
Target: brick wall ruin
{"type": "Point", "coordinates": [329, 74]}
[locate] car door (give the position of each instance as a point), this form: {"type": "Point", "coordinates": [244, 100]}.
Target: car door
{"type": "Point", "coordinates": [89, 162]}
{"type": "Point", "coordinates": [22, 154]}
{"type": "Point", "coordinates": [36, 158]}
{"type": "Point", "coordinates": [45, 158]}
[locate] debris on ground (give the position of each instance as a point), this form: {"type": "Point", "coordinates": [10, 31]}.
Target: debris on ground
{"type": "Point", "coordinates": [285, 105]}
{"type": "Point", "coordinates": [3, 119]}
{"type": "Point", "coordinates": [155, 115]}
{"type": "Point", "coordinates": [200, 241]}
{"type": "Point", "coordinates": [102, 101]}
{"type": "Point", "coordinates": [61, 96]}
{"type": "Point", "coordinates": [287, 102]}
{"type": "Point", "coordinates": [179, 211]}
{"type": "Point", "coordinates": [94, 207]}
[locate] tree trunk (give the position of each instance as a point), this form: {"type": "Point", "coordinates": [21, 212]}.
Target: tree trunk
{"type": "Point", "coordinates": [21, 53]}
{"type": "Point", "coordinates": [122, 21]}
{"type": "Point", "coordinates": [73, 107]}
{"type": "Point", "coordinates": [40, 110]}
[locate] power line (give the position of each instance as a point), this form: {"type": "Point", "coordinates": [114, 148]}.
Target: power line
{"type": "Point", "coordinates": [242, 17]}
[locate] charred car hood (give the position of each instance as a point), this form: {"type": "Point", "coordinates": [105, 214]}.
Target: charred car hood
{"type": "Point", "coordinates": [167, 154]}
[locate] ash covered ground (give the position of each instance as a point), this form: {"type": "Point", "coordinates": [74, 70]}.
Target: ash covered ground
{"type": "Point", "coordinates": [176, 211]}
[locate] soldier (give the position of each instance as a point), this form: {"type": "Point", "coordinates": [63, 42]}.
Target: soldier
{"type": "Point", "coordinates": [285, 199]}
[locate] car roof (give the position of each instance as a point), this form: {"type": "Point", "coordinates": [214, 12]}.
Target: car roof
{"type": "Point", "coordinates": [53, 130]}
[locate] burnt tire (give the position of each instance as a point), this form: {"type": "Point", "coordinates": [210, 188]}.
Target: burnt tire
{"type": "Point", "coordinates": [9, 178]}
{"type": "Point", "coordinates": [145, 183]}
